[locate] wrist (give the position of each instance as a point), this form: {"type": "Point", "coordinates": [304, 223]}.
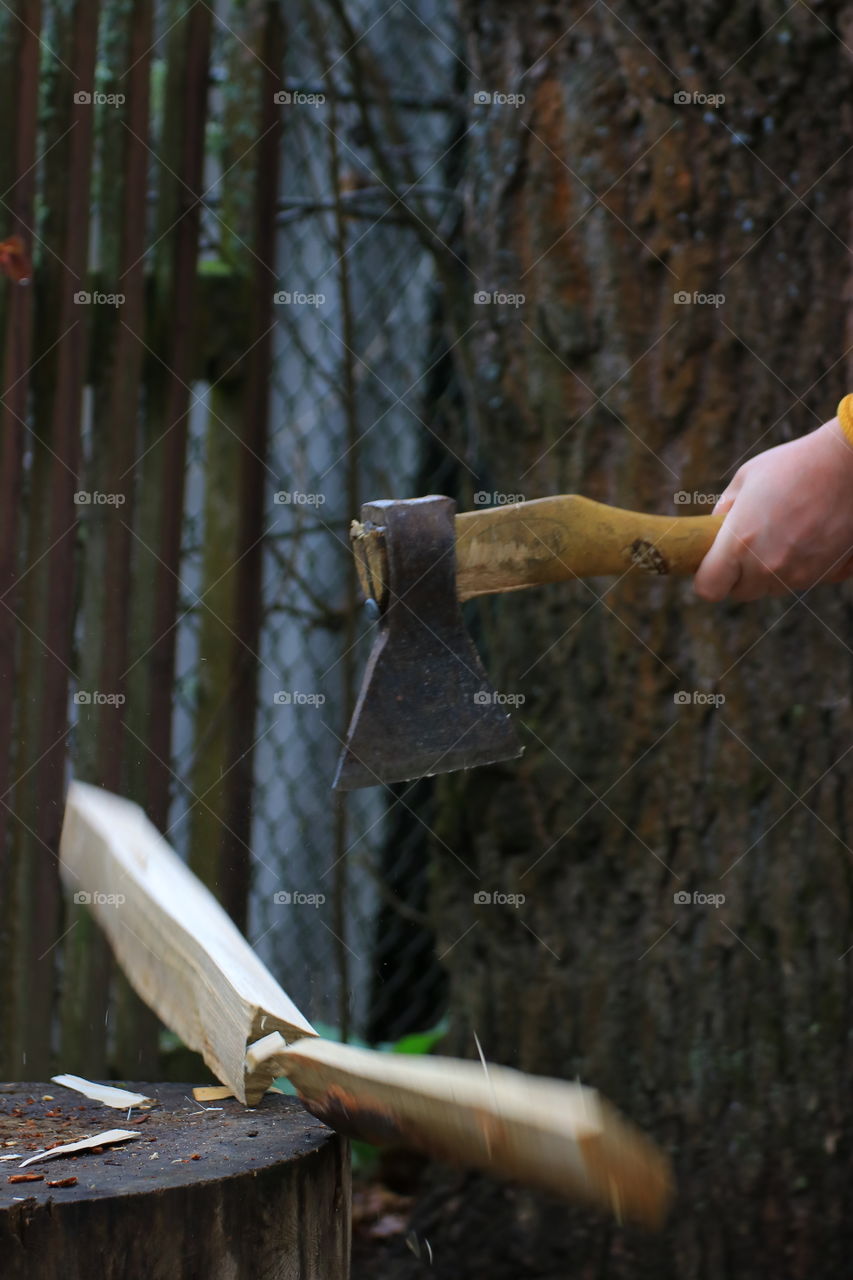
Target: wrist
{"type": "Point", "coordinates": [838, 447]}
{"type": "Point", "coordinates": [844, 420]}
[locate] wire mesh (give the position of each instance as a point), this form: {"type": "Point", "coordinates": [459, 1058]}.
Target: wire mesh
{"type": "Point", "coordinates": [339, 888]}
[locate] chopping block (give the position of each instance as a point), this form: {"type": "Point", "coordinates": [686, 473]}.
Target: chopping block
{"type": "Point", "coordinates": [207, 1192]}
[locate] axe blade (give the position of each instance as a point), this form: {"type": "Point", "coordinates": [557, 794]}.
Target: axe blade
{"type": "Point", "coordinates": [426, 705]}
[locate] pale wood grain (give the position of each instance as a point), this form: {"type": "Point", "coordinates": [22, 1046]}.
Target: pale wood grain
{"type": "Point", "coordinates": [188, 961]}
{"type": "Point", "coordinates": [561, 1137]}
{"type": "Point", "coordinates": [179, 949]}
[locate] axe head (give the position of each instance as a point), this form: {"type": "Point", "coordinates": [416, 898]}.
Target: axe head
{"type": "Point", "coordinates": [426, 705]}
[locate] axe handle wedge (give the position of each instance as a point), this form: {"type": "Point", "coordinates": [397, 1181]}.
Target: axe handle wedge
{"type": "Point", "coordinates": [528, 544]}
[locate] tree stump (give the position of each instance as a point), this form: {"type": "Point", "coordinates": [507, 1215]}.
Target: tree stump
{"type": "Point", "coordinates": [204, 1194]}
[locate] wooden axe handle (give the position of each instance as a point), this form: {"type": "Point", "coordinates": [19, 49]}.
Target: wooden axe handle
{"type": "Point", "coordinates": [526, 544]}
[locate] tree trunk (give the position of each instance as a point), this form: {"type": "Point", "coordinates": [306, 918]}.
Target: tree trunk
{"type": "Point", "coordinates": [722, 1030]}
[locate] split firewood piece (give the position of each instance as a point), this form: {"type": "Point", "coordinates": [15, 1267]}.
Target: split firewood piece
{"type": "Point", "coordinates": [181, 952]}
{"type": "Point", "coordinates": [547, 1133]}
{"type": "Point", "coordinates": [191, 965]}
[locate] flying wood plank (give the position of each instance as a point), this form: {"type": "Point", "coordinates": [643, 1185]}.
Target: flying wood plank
{"type": "Point", "coordinates": [561, 1137]}
{"type": "Point", "coordinates": [180, 951]}
{"type": "Point", "coordinates": [192, 966]}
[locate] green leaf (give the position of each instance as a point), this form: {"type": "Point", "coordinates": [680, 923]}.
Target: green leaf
{"type": "Point", "coordinates": [421, 1041]}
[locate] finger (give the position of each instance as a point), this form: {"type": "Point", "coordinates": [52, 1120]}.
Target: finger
{"type": "Point", "coordinates": [761, 589]}
{"type": "Point", "coordinates": [725, 502]}
{"type": "Point", "coordinates": [758, 581]}
{"type": "Point", "coordinates": [842, 573]}
{"type": "Point", "coordinates": [756, 589]}
{"type": "Point", "coordinates": [720, 570]}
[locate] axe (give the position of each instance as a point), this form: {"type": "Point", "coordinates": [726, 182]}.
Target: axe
{"type": "Point", "coordinates": [426, 705]}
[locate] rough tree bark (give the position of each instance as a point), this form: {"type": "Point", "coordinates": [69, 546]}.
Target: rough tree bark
{"type": "Point", "coordinates": [722, 1030]}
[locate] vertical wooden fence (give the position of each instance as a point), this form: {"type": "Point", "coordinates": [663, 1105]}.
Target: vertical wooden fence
{"type": "Point", "coordinates": [102, 352]}
{"type": "Point", "coordinates": [165, 177]}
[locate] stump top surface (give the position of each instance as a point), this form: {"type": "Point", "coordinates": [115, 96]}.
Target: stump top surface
{"type": "Point", "coordinates": [228, 1138]}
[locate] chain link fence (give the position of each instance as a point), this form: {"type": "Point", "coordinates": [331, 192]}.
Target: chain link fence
{"type": "Point", "coordinates": [370, 117]}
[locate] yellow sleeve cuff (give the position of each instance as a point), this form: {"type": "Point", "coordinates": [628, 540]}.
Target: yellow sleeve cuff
{"type": "Point", "coordinates": [845, 418]}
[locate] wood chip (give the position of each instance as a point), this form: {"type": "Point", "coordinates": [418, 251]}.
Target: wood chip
{"type": "Point", "coordinates": [106, 1093]}
{"type": "Point", "coordinates": [25, 1177]}
{"type": "Point", "coordinates": [63, 1182]}
{"type": "Point", "coordinates": [212, 1092]}
{"type": "Point", "coordinates": [108, 1137]}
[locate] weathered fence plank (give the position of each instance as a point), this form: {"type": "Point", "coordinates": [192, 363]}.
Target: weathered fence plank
{"type": "Point", "coordinates": [117, 376]}
{"type": "Point", "coordinates": [51, 551]}
{"type": "Point", "coordinates": [18, 123]}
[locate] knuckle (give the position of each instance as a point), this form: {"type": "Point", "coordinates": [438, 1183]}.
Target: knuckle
{"type": "Point", "coordinates": [799, 577]}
